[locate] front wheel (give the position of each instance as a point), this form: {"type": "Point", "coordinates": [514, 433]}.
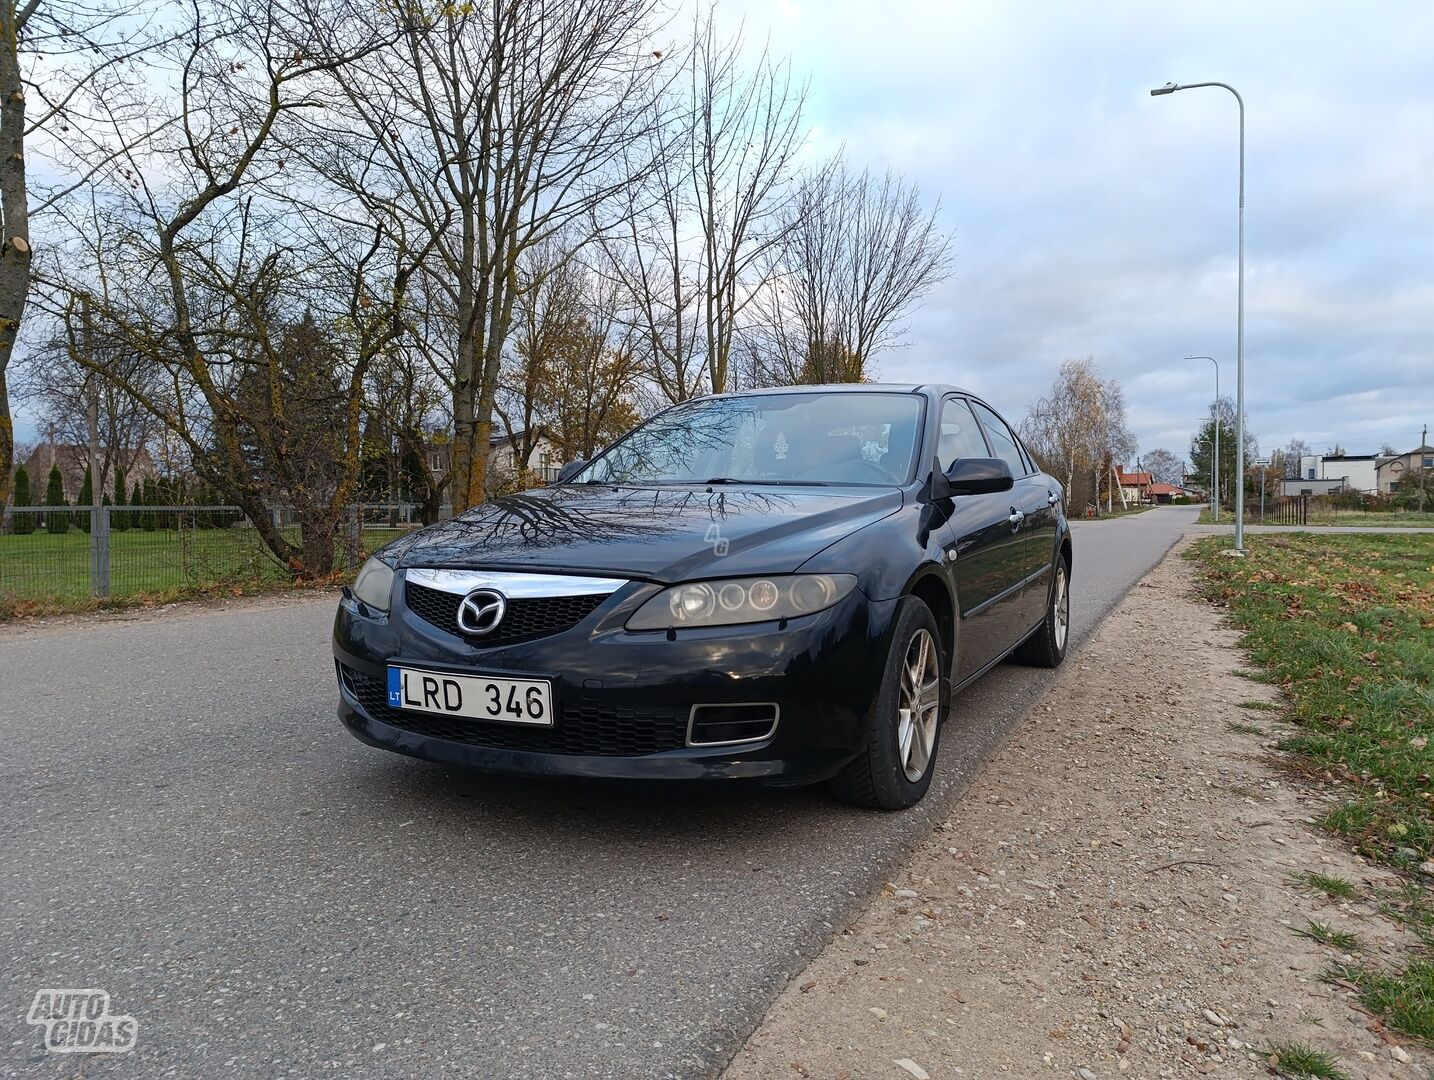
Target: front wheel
{"type": "Point", "coordinates": [894, 769]}
{"type": "Point", "coordinates": [1047, 646]}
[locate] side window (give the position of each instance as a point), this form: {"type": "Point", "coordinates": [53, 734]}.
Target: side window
{"type": "Point", "coordinates": [1003, 443]}
{"type": "Point", "coordinates": [960, 437]}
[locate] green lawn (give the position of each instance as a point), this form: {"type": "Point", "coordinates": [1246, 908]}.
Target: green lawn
{"type": "Point", "coordinates": [1343, 624]}
{"type": "Point", "coordinates": [49, 572]}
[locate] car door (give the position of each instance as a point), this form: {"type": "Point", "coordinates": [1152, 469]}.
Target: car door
{"type": "Point", "coordinates": [982, 549]}
{"type": "Point", "coordinates": [1033, 514]}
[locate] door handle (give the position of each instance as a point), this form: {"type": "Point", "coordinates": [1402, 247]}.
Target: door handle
{"type": "Point", "coordinates": [1052, 499]}
{"type": "Point", "coordinates": [1016, 518]}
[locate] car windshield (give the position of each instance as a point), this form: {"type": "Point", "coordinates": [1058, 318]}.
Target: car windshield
{"type": "Point", "coordinates": [816, 438]}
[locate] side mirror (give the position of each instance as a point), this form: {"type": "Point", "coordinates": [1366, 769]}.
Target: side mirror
{"type": "Point", "coordinates": [570, 470]}
{"type": "Point", "coordinates": [971, 476]}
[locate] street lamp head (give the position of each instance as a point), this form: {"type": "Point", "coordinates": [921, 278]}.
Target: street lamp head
{"type": "Point", "coordinates": [1168, 88]}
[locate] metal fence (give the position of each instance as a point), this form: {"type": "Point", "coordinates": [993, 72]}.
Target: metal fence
{"type": "Point", "coordinates": [58, 553]}
{"type": "Point", "coordinates": [1278, 510]}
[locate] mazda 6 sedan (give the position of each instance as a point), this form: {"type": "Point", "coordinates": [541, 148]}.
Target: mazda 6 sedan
{"type": "Point", "coordinates": [784, 586]}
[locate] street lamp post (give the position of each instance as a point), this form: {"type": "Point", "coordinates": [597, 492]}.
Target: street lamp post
{"type": "Point", "coordinates": [1215, 461]}
{"type": "Point", "coordinates": [1170, 88]}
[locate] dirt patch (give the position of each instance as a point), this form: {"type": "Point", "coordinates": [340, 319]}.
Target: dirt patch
{"type": "Point", "coordinates": [1115, 895]}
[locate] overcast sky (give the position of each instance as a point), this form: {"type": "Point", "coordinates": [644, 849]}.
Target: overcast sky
{"type": "Point", "coordinates": [1093, 219]}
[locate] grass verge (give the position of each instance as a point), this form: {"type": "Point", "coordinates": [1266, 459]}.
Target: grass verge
{"type": "Point", "coordinates": [1344, 626]}
{"type": "Point", "coordinates": [45, 574]}
{"type": "Point", "coordinates": [20, 607]}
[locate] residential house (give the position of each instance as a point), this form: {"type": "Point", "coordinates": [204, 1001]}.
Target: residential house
{"type": "Point", "coordinates": [73, 460]}
{"type": "Point", "coordinates": [1164, 493]}
{"type": "Point", "coordinates": [1393, 469]}
{"type": "Point", "coordinates": [502, 461]}
{"type": "Point", "coordinates": [1320, 474]}
{"type": "Point", "coordinates": [1134, 486]}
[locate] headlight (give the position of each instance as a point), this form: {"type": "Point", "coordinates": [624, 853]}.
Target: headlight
{"type": "Point", "coordinates": [374, 584]}
{"type": "Point", "coordinates": [741, 600]}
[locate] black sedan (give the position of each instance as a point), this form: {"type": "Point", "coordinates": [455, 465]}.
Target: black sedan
{"type": "Point", "coordinates": [784, 586]}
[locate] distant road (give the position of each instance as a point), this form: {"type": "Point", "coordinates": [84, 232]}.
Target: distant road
{"type": "Point", "coordinates": [186, 826]}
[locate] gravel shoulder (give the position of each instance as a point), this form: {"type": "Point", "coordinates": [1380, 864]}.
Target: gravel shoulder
{"type": "Point", "coordinates": [208, 608]}
{"type": "Point", "coordinates": [1114, 896]}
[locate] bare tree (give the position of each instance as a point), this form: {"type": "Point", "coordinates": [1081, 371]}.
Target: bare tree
{"type": "Point", "coordinates": [573, 366]}
{"type": "Point", "coordinates": [407, 409]}
{"type": "Point", "coordinates": [488, 128]}
{"type": "Point", "coordinates": [1164, 466]}
{"type": "Point", "coordinates": [264, 344]}
{"type": "Point", "coordinates": [65, 78]}
{"type": "Point", "coordinates": [692, 249]}
{"type": "Point", "coordinates": [80, 403]}
{"type": "Point", "coordinates": [858, 253]}
{"type": "Point", "coordinates": [549, 309]}
{"type": "Point", "coordinates": [1078, 431]}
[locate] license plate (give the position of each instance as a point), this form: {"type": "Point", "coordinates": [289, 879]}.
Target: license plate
{"type": "Point", "coordinates": [478, 697]}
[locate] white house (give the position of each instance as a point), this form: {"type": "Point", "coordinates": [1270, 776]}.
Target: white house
{"type": "Point", "coordinates": [502, 465]}
{"type": "Point", "coordinates": [1321, 473]}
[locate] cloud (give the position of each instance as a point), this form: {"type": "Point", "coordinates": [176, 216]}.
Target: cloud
{"type": "Point", "coordinates": [1092, 219]}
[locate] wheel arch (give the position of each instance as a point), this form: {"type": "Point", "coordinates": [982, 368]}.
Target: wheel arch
{"type": "Point", "coordinates": [931, 588]}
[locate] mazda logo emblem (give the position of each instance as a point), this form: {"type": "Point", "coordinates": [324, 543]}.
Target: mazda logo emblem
{"type": "Point", "coordinates": [481, 611]}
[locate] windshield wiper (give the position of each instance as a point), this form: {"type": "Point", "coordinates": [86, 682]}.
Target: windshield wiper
{"type": "Point", "coordinates": [765, 483]}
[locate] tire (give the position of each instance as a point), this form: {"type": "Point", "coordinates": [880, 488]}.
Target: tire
{"type": "Point", "coordinates": [894, 769]}
{"type": "Point", "coordinates": [1047, 646]}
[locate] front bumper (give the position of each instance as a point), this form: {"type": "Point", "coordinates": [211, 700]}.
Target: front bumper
{"type": "Point", "coordinates": [622, 700]}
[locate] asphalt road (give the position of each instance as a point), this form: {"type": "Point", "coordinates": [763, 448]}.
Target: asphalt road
{"type": "Point", "coordinates": [185, 825]}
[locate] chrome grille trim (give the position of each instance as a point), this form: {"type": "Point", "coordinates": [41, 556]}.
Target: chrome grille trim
{"type": "Point", "coordinates": [512, 584]}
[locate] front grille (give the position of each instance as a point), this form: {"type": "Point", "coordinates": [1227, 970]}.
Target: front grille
{"type": "Point", "coordinates": [526, 618]}
{"type": "Point", "coordinates": [584, 726]}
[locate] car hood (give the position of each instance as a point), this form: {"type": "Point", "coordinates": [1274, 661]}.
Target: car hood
{"type": "Point", "coordinates": [657, 534]}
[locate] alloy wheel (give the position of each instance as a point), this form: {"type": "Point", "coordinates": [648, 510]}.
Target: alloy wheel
{"type": "Point", "coordinates": [918, 712]}
{"type": "Point", "coordinates": [1061, 607]}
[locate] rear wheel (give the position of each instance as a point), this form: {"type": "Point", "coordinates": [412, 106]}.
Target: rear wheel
{"type": "Point", "coordinates": [894, 769]}
{"type": "Point", "coordinates": [1047, 646]}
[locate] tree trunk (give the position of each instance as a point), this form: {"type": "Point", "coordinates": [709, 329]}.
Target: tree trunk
{"type": "Point", "coordinates": [316, 540]}
{"type": "Point", "coordinates": [465, 389]}
{"type": "Point", "coordinates": [15, 210]}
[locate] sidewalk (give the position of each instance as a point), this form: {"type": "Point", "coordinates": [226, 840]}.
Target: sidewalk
{"type": "Point", "coordinates": [1230, 529]}
{"type": "Point", "coordinates": [1113, 897]}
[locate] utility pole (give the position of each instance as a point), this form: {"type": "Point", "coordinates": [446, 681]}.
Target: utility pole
{"type": "Point", "coordinates": [92, 398]}
{"type": "Point", "coordinates": [1423, 442]}
{"type": "Point", "coordinates": [99, 513]}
